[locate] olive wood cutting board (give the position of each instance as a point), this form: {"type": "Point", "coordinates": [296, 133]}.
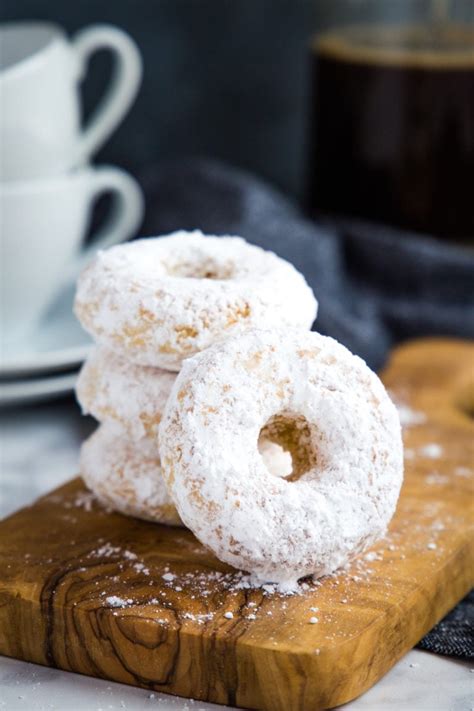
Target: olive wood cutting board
{"type": "Point", "coordinates": [90, 591]}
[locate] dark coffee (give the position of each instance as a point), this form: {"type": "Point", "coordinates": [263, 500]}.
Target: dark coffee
{"type": "Point", "coordinates": [393, 132]}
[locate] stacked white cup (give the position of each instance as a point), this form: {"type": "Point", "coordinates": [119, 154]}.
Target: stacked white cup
{"type": "Point", "coordinates": [47, 185]}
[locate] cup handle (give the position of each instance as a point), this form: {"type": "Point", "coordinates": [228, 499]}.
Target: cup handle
{"type": "Point", "coordinates": [126, 77]}
{"type": "Point", "coordinates": [124, 219]}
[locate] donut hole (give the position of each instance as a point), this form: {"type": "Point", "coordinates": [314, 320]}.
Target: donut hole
{"type": "Point", "coordinates": [295, 436]}
{"type": "Point", "coordinates": [201, 267]}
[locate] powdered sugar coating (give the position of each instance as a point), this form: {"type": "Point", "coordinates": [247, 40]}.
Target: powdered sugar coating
{"type": "Point", "coordinates": [281, 530]}
{"type": "Point", "coordinates": [158, 301]}
{"type": "Point", "coordinates": [127, 477]}
{"type": "Point", "coordinates": [116, 391]}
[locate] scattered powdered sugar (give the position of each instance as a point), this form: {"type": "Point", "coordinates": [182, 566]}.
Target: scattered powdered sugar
{"type": "Point", "coordinates": [124, 557]}
{"type": "Point", "coordinates": [237, 596]}
{"type": "Point", "coordinates": [115, 601]}
{"type": "Point", "coordinates": [82, 500]}
{"type": "Point", "coordinates": [431, 450]}
{"type": "Point", "coordinates": [200, 618]}
{"type": "Point", "coordinates": [105, 551]}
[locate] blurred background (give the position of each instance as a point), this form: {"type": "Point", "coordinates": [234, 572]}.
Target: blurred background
{"type": "Point", "coordinates": [228, 79]}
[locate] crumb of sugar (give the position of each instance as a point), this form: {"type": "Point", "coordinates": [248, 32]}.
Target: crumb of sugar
{"type": "Point", "coordinates": [84, 500]}
{"type": "Point", "coordinates": [169, 577]}
{"type": "Point", "coordinates": [115, 601]}
{"type": "Point", "coordinates": [141, 568]}
{"type": "Point", "coordinates": [229, 615]}
{"type": "Point", "coordinates": [433, 450]}
{"type": "Point", "coordinates": [313, 620]}
{"type": "Point", "coordinates": [105, 551]}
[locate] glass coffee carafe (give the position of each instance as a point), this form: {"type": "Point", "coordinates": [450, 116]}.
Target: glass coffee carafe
{"type": "Point", "coordinates": [392, 133]}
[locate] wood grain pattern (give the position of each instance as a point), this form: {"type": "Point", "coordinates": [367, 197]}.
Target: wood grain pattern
{"type": "Point", "coordinates": [66, 563]}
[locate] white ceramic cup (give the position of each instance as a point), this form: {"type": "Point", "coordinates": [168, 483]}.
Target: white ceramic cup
{"type": "Point", "coordinates": [40, 106]}
{"type": "Point", "coordinates": [42, 227]}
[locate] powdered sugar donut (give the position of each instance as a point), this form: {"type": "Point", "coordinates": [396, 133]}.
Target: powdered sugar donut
{"type": "Point", "coordinates": [324, 405]}
{"type": "Point", "coordinates": [125, 477]}
{"type": "Point", "coordinates": [116, 391]}
{"type": "Point", "coordinates": [158, 301]}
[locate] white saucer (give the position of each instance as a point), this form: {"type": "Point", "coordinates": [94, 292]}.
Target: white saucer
{"type": "Point", "coordinates": [57, 343]}
{"type": "Point", "coordinates": [18, 392]}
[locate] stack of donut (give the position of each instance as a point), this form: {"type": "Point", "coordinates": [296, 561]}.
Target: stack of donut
{"type": "Point", "coordinates": [220, 410]}
{"type": "Point", "coordinates": [149, 305]}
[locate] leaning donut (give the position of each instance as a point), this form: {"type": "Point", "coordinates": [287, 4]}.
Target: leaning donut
{"type": "Point", "coordinates": [127, 478]}
{"type": "Point", "coordinates": [321, 403]}
{"type": "Point", "coordinates": [131, 396]}
{"type": "Point", "coordinates": [158, 301]}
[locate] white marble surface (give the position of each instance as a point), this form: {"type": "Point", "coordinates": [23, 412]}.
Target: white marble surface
{"type": "Point", "coordinates": [39, 450]}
